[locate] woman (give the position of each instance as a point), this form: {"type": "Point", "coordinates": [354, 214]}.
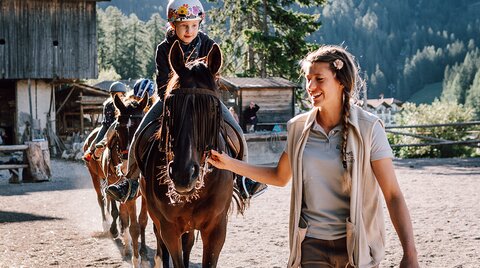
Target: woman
{"type": "Point", "coordinates": [339, 158]}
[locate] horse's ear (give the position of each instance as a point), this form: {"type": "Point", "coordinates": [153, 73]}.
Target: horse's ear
{"type": "Point", "coordinates": [117, 101]}
{"type": "Point", "coordinates": [214, 59]}
{"type": "Point", "coordinates": [175, 58]}
{"type": "Point", "coordinates": [144, 100]}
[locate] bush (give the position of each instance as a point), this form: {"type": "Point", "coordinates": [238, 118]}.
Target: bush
{"type": "Point", "coordinates": [439, 112]}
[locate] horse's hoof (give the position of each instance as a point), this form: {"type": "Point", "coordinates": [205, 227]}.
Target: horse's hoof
{"type": "Point", "coordinates": [158, 262]}
{"type": "Point", "coordinates": [136, 262]}
{"type": "Point", "coordinates": [114, 233]}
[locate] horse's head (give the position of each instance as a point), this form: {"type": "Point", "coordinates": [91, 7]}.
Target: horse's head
{"type": "Point", "coordinates": [129, 116]}
{"type": "Point", "coordinates": [191, 119]}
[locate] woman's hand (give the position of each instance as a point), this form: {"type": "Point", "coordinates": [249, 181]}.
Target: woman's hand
{"type": "Point", "coordinates": [219, 160]}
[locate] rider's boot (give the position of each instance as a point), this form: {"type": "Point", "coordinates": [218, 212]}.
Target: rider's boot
{"type": "Point", "coordinates": [90, 154]}
{"type": "Point", "coordinates": [123, 191]}
{"type": "Point", "coordinates": [249, 188]}
{"type": "Point", "coordinates": [101, 144]}
{"type": "Point", "coordinates": [87, 156]}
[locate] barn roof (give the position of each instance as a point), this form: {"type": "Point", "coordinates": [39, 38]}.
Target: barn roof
{"type": "Point", "coordinates": [383, 101]}
{"type": "Point", "coordinates": [254, 82]}
{"type": "Point", "coordinates": [105, 85]}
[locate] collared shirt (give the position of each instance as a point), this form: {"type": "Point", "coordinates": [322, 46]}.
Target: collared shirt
{"type": "Point", "coordinates": [325, 206]}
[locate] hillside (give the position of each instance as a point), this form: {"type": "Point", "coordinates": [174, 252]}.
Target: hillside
{"type": "Point", "coordinates": [427, 94]}
{"type": "Point", "coordinates": [400, 45]}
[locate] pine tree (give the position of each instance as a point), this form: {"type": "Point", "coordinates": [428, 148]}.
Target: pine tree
{"type": "Point", "coordinates": [473, 95]}
{"type": "Point", "coordinates": [137, 49]}
{"type": "Point", "coordinates": [156, 26]}
{"type": "Point", "coordinates": [265, 37]}
{"type": "Point", "coordinates": [115, 32]}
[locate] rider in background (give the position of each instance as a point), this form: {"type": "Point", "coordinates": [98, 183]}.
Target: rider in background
{"type": "Point", "coordinates": [117, 88]}
{"type": "Point", "coordinates": [185, 18]}
{"type": "Point", "coordinates": [145, 86]}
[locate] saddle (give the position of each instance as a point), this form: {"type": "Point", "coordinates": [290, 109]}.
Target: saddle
{"type": "Point", "coordinates": [234, 140]}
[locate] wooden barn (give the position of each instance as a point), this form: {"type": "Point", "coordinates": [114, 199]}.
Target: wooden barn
{"type": "Point", "coordinates": [43, 44]}
{"type": "Point", "coordinates": [80, 107]}
{"type": "Point", "coordinates": [274, 95]}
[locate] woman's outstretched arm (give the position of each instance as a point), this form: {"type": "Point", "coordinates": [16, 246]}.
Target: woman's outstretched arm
{"type": "Point", "coordinates": [277, 176]}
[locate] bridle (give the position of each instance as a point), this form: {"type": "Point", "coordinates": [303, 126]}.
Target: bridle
{"type": "Point", "coordinates": [125, 121]}
{"type": "Point", "coordinates": [167, 147]}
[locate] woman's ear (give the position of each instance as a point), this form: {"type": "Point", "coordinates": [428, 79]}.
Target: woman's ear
{"type": "Point", "coordinates": [172, 24]}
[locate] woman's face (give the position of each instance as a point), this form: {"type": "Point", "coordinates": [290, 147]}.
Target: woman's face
{"type": "Point", "coordinates": [322, 85]}
{"type": "Point", "coordinates": [186, 30]}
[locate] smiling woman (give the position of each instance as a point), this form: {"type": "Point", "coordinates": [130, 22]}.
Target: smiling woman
{"type": "Point", "coordinates": [335, 154]}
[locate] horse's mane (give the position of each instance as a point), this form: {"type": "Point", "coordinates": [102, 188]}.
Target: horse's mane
{"type": "Point", "coordinates": [205, 107]}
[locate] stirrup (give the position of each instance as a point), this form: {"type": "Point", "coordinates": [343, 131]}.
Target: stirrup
{"type": "Point", "coordinates": [132, 190]}
{"type": "Point", "coordinates": [256, 193]}
{"type": "Point", "coordinates": [100, 144]}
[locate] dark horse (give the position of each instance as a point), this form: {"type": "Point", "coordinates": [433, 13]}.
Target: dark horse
{"type": "Point", "coordinates": [183, 194]}
{"type": "Point", "coordinates": [105, 172]}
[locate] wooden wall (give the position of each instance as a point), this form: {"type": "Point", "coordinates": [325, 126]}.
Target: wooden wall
{"type": "Point", "coordinates": [48, 39]}
{"type": "Point", "coordinates": [276, 104]}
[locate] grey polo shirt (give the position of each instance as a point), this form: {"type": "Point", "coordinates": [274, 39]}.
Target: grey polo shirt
{"type": "Point", "coordinates": [325, 206]}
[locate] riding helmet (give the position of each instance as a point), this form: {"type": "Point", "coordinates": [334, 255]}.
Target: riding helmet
{"type": "Point", "coordinates": [185, 10]}
{"type": "Point", "coordinates": [142, 85]}
{"type": "Point", "coordinates": [118, 87]}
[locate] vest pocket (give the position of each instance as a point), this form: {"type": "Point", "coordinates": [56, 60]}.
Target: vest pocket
{"type": "Point", "coordinates": [301, 233]}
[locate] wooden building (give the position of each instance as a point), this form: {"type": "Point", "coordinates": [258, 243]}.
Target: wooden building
{"type": "Point", "coordinates": [43, 43]}
{"type": "Point", "coordinates": [80, 109]}
{"type": "Point", "coordinates": [80, 106]}
{"type": "Point", "coordinates": [274, 95]}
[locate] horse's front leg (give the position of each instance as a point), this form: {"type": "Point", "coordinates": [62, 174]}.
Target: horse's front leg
{"type": "Point", "coordinates": [172, 238]}
{"type": "Point", "coordinates": [143, 220]}
{"type": "Point", "coordinates": [114, 213]}
{"type": "Point", "coordinates": [162, 257]}
{"type": "Point", "coordinates": [134, 231]}
{"type": "Point", "coordinates": [125, 225]}
{"type": "Point", "coordinates": [187, 244]}
{"type": "Point", "coordinates": [213, 237]}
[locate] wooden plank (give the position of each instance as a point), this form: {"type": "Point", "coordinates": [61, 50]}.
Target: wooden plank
{"type": "Point", "coordinates": [20, 147]}
{"type": "Point", "coordinates": [82, 127]}
{"type": "Point", "coordinates": [30, 27]}
{"type": "Point", "coordinates": [12, 166]}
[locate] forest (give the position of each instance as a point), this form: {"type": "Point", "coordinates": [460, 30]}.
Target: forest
{"type": "Point", "coordinates": [401, 46]}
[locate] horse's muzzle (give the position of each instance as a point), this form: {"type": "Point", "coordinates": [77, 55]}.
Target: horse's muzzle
{"type": "Point", "coordinates": [184, 178]}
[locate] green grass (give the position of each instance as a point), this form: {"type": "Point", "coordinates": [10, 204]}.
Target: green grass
{"type": "Point", "coordinates": [427, 94]}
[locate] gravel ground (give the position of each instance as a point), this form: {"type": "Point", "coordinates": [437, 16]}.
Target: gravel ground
{"type": "Point", "coordinates": [58, 223]}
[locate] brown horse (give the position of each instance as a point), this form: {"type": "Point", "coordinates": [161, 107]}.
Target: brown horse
{"type": "Point", "coordinates": [105, 171]}
{"type": "Point", "coordinates": [183, 194]}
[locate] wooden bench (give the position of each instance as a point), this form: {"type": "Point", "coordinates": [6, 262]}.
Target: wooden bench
{"type": "Point", "coordinates": [14, 168]}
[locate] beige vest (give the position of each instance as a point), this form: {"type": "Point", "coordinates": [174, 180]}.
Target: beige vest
{"type": "Point", "coordinates": [365, 226]}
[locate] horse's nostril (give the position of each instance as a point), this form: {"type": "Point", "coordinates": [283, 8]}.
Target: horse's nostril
{"type": "Point", "coordinates": [170, 169]}
{"type": "Point", "coordinates": [195, 169]}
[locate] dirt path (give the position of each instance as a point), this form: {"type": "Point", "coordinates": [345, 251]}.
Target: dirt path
{"type": "Point", "coordinates": [57, 223]}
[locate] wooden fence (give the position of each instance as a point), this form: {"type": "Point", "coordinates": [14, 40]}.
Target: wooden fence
{"type": "Point", "coordinates": [432, 140]}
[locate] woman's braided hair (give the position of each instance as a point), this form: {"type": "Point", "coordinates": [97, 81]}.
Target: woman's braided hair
{"type": "Point", "coordinates": [346, 70]}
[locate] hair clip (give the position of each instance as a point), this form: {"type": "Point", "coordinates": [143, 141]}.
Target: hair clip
{"type": "Point", "coordinates": [338, 64]}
